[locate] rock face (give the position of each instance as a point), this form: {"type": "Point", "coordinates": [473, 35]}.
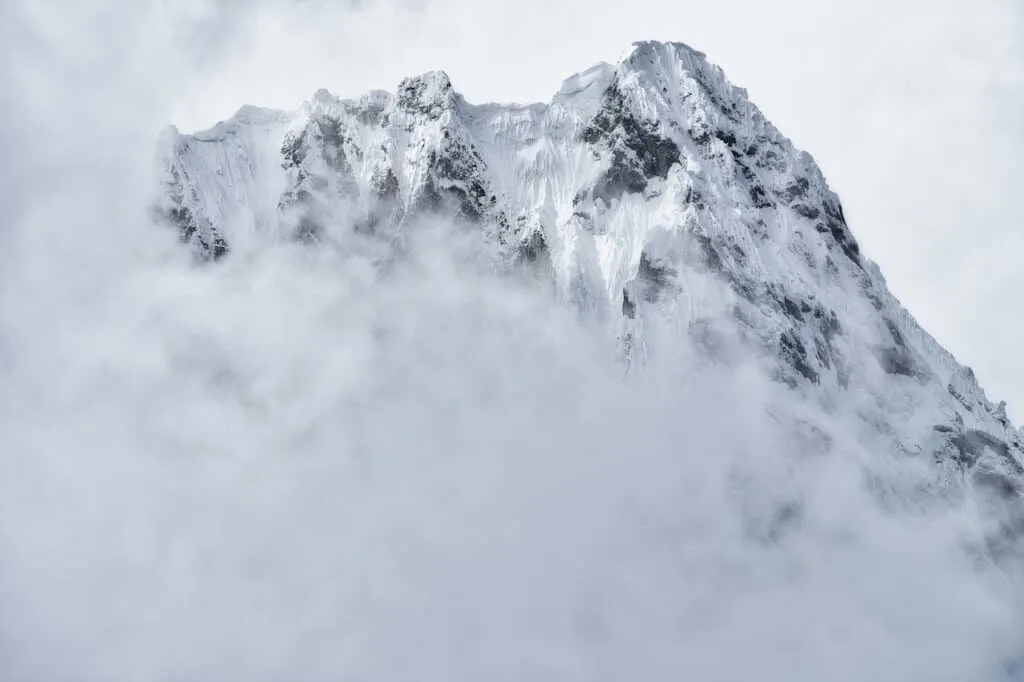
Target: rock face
{"type": "Point", "coordinates": [652, 192]}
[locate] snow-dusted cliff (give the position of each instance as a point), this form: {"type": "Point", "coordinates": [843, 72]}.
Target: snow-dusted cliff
{"type": "Point", "coordinates": [656, 197]}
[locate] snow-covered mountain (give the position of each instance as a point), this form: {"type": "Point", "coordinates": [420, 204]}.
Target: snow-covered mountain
{"type": "Point", "coordinates": [655, 196]}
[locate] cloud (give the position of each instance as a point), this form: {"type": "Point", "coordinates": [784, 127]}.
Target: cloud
{"type": "Point", "coordinates": [295, 467]}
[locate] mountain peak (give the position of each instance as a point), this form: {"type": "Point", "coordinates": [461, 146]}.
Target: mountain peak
{"type": "Point", "coordinates": [650, 55]}
{"type": "Point", "coordinates": [651, 193]}
{"type": "Point", "coordinates": [429, 93]}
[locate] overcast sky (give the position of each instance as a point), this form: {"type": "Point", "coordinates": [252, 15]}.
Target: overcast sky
{"type": "Point", "coordinates": [914, 109]}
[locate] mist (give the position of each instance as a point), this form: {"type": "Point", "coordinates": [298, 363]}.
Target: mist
{"type": "Point", "coordinates": [300, 465]}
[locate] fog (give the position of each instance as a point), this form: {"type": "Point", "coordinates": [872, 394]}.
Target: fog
{"type": "Point", "coordinates": [296, 465]}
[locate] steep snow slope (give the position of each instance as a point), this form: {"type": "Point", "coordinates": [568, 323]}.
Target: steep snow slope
{"type": "Point", "coordinates": [654, 195]}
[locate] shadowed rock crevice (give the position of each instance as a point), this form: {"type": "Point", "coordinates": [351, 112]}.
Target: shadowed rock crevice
{"type": "Point", "coordinates": [654, 277]}
{"type": "Point", "coordinates": [385, 184]}
{"type": "Point", "coordinates": [206, 241]}
{"type": "Point", "coordinates": [755, 188]}
{"type": "Point", "coordinates": [972, 444]}
{"type": "Point", "coordinates": [793, 351]}
{"type": "Point", "coordinates": [457, 178]}
{"type": "Point", "coordinates": [533, 249]}
{"type": "Point", "coordinates": [835, 224]}
{"type": "Point", "coordinates": [898, 357]}
{"type": "Point", "coordinates": [638, 152]}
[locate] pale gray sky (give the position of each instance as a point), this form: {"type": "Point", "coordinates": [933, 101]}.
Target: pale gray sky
{"type": "Point", "coordinates": [914, 108]}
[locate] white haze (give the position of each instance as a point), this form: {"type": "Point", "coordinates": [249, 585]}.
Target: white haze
{"type": "Point", "coordinates": [295, 467]}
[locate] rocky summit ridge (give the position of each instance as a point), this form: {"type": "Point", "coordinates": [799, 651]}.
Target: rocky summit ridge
{"type": "Point", "coordinates": [653, 194]}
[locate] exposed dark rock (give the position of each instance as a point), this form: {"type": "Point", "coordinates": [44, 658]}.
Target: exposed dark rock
{"type": "Point", "coordinates": [770, 159]}
{"type": "Point", "coordinates": [385, 184]}
{"type": "Point", "coordinates": [412, 95]}
{"type": "Point", "coordinates": [726, 137]}
{"type": "Point", "coordinates": [971, 445]}
{"type": "Point", "coordinates": [746, 289]}
{"type": "Point", "coordinates": [639, 153]}
{"type": "Point", "coordinates": [806, 211]}
{"type": "Point", "coordinates": [333, 139]}
{"type": "Point", "coordinates": [795, 190]}
{"type": "Point", "coordinates": [760, 197]}
{"type": "Point", "coordinates": [830, 326]}
{"type": "Point", "coordinates": [792, 309]}
{"type": "Point", "coordinates": [846, 243]}
{"type": "Point", "coordinates": [894, 332]}
{"type": "Point", "coordinates": [695, 198]}
{"type": "Point", "coordinates": [899, 358]}
{"type": "Point", "coordinates": [622, 177]}
{"type": "Point", "coordinates": [708, 254]}
{"type": "Point", "coordinates": [758, 194]}
{"type": "Point", "coordinates": [293, 150]}
{"type": "Point", "coordinates": [728, 109]}
{"type": "Point", "coordinates": [701, 133]}
{"type": "Point", "coordinates": [218, 249]}
{"type": "Point", "coordinates": [823, 327]}
{"type": "Point", "coordinates": [874, 299]}
{"type": "Point", "coordinates": [428, 199]}
{"type": "Point", "coordinates": [794, 352]}
{"type": "Point", "coordinates": [652, 278]}
{"type": "Point", "coordinates": [628, 305]}
{"type": "Point", "coordinates": [826, 324]}
{"type": "Point", "coordinates": [327, 137]}
{"type": "Point", "coordinates": [468, 199]}
{"type": "Point", "coordinates": [459, 161]}
{"type": "Point", "coordinates": [456, 179]}
{"type": "Point", "coordinates": [961, 399]}
{"type": "Point", "coordinates": [823, 353]}
{"type": "Point", "coordinates": [207, 242]}
{"type": "Point", "coordinates": [533, 248]}
{"type": "Point", "coordinates": [836, 224]}
{"type": "Point", "coordinates": [181, 217]}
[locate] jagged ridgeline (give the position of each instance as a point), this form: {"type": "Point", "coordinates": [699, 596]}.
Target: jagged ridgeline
{"type": "Point", "coordinates": [638, 185]}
